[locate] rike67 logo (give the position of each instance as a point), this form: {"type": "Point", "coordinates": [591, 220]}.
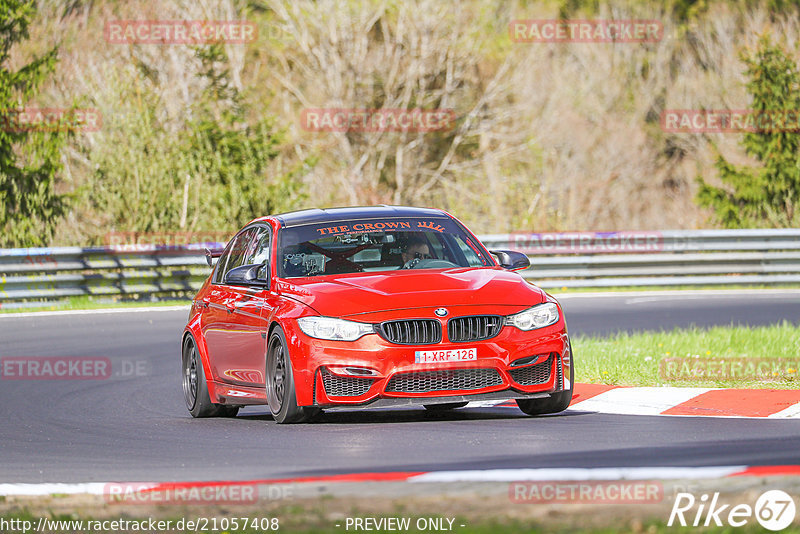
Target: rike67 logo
{"type": "Point", "coordinates": [774, 510]}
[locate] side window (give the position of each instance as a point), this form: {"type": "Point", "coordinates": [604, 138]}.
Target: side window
{"type": "Point", "coordinates": [239, 249]}
{"type": "Point", "coordinates": [220, 266]}
{"type": "Point", "coordinates": [259, 250]}
{"type": "Point", "coordinates": [235, 254]}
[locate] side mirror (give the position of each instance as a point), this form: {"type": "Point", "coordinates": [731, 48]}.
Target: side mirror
{"type": "Point", "coordinates": [247, 275]}
{"type": "Point", "coordinates": [512, 260]}
{"type": "Point", "coordinates": [212, 254]}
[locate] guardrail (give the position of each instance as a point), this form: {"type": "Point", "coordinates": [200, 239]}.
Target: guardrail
{"type": "Point", "coordinates": [571, 260]}
{"type": "Point", "coordinates": [35, 273]}
{"type": "Point", "coordinates": [668, 258]}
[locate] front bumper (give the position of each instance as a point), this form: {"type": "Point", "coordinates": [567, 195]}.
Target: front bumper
{"type": "Point", "coordinates": [398, 380]}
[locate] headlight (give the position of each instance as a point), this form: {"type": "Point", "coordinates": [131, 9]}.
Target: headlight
{"type": "Point", "coordinates": [333, 329]}
{"type": "Point", "coordinates": [537, 317]}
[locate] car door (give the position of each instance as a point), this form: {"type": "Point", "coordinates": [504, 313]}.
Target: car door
{"type": "Point", "coordinates": [220, 306]}
{"type": "Point", "coordinates": [241, 339]}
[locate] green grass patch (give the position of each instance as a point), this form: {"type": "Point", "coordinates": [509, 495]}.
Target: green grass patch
{"type": "Point", "coordinates": [730, 357]}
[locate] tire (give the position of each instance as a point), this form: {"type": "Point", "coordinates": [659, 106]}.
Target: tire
{"type": "Point", "coordinates": [557, 402]}
{"type": "Point", "coordinates": [281, 396]}
{"type": "Point", "coordinates": [195, 387]}
{"type": "Point", "coordinates": [444, 407]}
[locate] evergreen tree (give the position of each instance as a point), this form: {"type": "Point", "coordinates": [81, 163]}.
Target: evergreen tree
{"type": "Point", "coordinates": [768, 195]}
{"type": "Point", "coordinates": [29, 160]}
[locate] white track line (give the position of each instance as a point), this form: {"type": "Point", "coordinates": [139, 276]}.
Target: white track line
{"type": "Point", "coordinates": [677, 292]}
{"type": "Point", "coordinates": [568, 473]}
{"type": "Point", "coordinates": [485, 403]}
{"type": "Point", "coordinates": [103, 311]}
{"type": "Point", "coordinates": [792, 412]}
{"type": "Point", "coordinates": [88, 488]}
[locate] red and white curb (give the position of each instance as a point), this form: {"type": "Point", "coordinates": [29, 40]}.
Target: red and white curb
{"type": "Point", "coordinates": [706, 402]}
{"type": "Point", "coordinates": [476, 475]}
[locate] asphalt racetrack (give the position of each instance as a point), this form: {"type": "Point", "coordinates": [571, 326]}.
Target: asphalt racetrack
{"type": "Point", "coordinates": [134, 426]}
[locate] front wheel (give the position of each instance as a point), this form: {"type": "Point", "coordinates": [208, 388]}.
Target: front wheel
{"type": "Point", "coordinates": [281, 396]}
{"type": "Point", "coordinates": [557, 402]}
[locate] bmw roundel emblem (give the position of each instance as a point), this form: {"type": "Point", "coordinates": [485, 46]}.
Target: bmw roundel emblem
{"type": "Point", "coordinates": [441, 312]}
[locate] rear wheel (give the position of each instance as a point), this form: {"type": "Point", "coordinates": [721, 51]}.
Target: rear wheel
{"type": "Point", "coordinates": [557, 402]}
{"type": "Point", "coordinates": [281, 396]}
{"type": "Point", "coordinates": [444, 407]}
{"type": "Point", "coordinates": [195, 387]}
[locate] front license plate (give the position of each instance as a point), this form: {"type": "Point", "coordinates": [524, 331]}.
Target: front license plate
{"type": "Point", "coordinates": [444, 356]}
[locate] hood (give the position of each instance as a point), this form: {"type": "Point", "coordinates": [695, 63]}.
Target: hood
{"type": "Point", "coordinates": [361, 293]}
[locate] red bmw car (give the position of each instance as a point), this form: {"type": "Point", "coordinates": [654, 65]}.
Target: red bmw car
{"type": "Point", "coordinates": [369, 307]}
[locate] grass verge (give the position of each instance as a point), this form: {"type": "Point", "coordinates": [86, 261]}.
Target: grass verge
{"type": "Point", "coordinates": [729, 357]}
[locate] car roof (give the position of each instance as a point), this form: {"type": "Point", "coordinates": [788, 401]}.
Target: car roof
{"type": "Point", "coordinates": [311, 216]}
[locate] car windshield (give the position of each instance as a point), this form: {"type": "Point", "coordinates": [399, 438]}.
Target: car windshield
{"type": "Point", "coordinates": [376, 245]}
